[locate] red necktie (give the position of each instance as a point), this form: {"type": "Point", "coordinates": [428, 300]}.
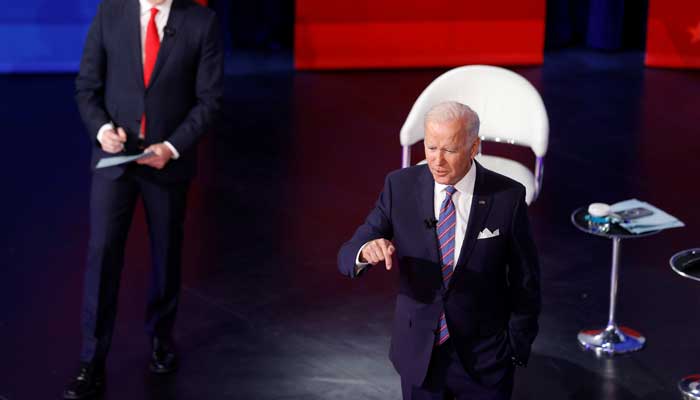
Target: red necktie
{"type": "Point", "coordinates": [152, 47]}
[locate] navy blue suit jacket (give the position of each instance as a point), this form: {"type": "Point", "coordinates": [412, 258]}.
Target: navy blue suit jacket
{"type": "Point", "coordinates": [185, 90]}
{"type": "Point", "coordinates": [493, 299]}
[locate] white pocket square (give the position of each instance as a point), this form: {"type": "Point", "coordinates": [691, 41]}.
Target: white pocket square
{"type": "Point", "coordinates": [487, 234]}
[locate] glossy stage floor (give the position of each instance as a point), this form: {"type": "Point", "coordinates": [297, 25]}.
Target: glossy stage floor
{"type": "Point", "coordinates": [295, 167]}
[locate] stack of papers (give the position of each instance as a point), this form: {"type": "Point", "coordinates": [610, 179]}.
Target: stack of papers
{"type": "Point", "coordinates": [119, 160]}
{"type": "Point", "coordinates": [657, 220]}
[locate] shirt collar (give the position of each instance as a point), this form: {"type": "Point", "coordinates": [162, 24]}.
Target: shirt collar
{"type": "Point", "coordinates": [464, 185]}
{"type": "Point", "coordinates": [146, 6]}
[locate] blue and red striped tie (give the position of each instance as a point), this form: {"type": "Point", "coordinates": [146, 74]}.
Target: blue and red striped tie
{"type": "Point", "coordinates": [446, 240]}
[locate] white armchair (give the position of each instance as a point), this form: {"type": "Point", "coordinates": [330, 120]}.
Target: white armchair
{"type": "Point", "coordinates": [510, 110]}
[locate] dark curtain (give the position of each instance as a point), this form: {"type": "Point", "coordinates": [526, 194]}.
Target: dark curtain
{"type": "Point", "coordinates": [598, 24]}
{"type": "Point", "coordinates": [257, 24]}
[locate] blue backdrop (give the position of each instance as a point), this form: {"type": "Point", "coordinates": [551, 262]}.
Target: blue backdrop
{"type": "Point", "coordinates": [43, 35]}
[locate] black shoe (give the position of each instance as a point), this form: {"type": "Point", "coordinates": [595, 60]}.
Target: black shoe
{"type": "Point", "coordinates": [89, 382]}
{"type": "Point", "coordinates": [163, 358]}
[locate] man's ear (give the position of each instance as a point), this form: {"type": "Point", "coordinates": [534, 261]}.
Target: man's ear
{"type": "Point", "coordinates": [475, 147]}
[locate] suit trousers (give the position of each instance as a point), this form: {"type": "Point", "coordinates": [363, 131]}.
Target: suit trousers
{"type": "Point", "coordinates": [112, 203]}
{"type": "Point", "coordinates": [447, 379]}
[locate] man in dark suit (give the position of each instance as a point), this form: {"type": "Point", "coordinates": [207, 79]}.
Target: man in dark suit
{"type": "Point", "coordinates": [150, 80]}
{"type": "Point", "coordinates": [466, 312]}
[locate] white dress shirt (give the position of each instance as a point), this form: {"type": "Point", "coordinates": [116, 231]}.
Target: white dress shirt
{"type": "Point", "coordinates": [161, 21]}
{"type": "Point", "coordinates": [462, 199]}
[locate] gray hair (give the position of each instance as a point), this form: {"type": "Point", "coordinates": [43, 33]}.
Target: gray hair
{"type": "Point", "coordinates": [448, 111]}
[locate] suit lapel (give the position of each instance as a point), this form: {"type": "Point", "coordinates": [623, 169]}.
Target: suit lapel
{"type": "Point", "coordinates": [133, 38]}
{"type": "Point", "coordinates": [174, 21]}
{"type": "Point", "coordinates": [480, 207]}
{"type": "Point", "coordinates": [426, 207]}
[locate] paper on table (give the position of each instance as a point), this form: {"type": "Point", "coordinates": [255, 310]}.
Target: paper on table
{"type": "Point", "coordinates": [118, 160]}
{"type": "Point", "coordinates": [658, 220]}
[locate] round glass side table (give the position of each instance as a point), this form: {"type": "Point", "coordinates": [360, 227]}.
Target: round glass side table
{"type": "Point", "coordinates": [613, 339]}
{"type": "Point", "coordinates": [686, 263]}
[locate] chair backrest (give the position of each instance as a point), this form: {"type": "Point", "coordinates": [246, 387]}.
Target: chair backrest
{"type": "Point", "coordinates": [510, 108]}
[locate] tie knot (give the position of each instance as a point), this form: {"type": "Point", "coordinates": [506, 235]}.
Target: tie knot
{"type": "Point", "coordinates": [450, 190]}
{"type": "Point", "coordinates": [154, 11]}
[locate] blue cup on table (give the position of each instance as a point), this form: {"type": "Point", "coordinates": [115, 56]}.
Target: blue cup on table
{"type": "Point", "coordinates": [598, 217]}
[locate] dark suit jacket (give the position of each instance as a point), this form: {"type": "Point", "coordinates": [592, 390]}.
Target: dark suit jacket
{"type": "Point", "coordinates": [184, 93]}
{"type": "Point", "coordinates": [493, 299]}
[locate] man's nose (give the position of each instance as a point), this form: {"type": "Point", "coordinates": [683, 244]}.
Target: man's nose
{"type": "Point", "coordinates": [440, 158]}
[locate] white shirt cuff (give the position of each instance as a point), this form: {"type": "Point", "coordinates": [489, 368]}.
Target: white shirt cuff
{"type": "Point", "coordinates": [103, 128]}
{"type": "Point", "coordinates": [358, 263]}
{"type": "Point", "coordinates": [172, 148]}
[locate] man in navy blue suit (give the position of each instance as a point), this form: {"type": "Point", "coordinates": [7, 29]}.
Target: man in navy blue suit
{"type": "Point", "coordinates": [150, 80]}
{"type": "Point", "coordinates": [468, 302]}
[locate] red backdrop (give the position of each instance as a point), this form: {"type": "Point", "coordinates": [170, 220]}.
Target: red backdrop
{"type": "Point", "coordinates": [422, 33]}
{"type": "Point", "coordinates": [673, 34]}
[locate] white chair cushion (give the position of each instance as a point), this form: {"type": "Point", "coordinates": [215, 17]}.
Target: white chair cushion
{"type": "Point", "coordinates": [512, 169]}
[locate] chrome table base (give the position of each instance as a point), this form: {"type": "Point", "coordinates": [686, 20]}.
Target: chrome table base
{"type": "Point", "coordinates": [690, 387]}
{"type": "Point", "coordinates": [611, 340]}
